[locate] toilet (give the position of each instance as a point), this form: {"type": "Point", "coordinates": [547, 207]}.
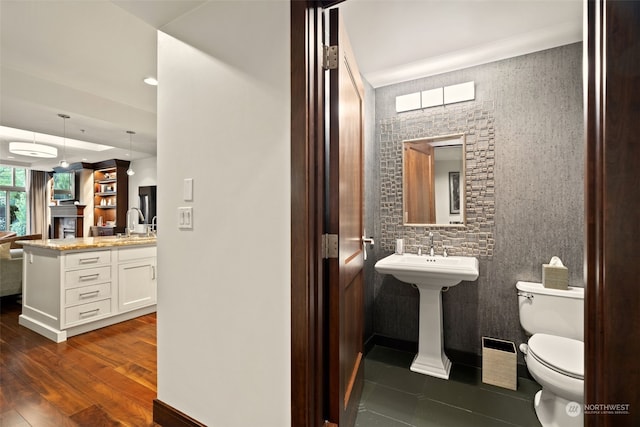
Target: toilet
{"type": "Point", "coordinates": [554, 353]}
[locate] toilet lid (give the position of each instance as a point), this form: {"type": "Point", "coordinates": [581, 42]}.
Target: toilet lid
{"type": "Point", "coordinates": [561, 354]}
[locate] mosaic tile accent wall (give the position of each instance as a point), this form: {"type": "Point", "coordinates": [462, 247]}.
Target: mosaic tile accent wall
{"type": "Point", "coordinates": [476, 120]}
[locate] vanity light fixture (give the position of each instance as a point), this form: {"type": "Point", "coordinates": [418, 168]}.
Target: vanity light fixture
{"type": "Point", "coordinates": [130, 171]}
{"type": "Point", "coordinates": [436, 97]}
{"type": "Point", "coordinates": [63, 162]}
{"type": "Point", "coordinates": [33, 149]}
{"type": "Point", "coordinates": [459, 93]}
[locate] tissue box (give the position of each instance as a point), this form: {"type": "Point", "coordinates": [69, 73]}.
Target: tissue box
{"type": "Point", "coordinates": [555, 276]}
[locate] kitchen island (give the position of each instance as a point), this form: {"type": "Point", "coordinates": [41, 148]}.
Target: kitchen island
{"type": "Point", "coordinates": [72, 286]}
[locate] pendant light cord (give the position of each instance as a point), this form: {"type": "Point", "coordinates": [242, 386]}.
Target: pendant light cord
{"type": "Point", "coordinates": [130, 171]}
{"type": "Point", "coordinates": [64, 162]}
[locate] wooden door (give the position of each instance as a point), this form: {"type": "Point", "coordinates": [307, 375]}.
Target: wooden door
{"type": "Point", "coordinates": [418, 184]}
{"type": "Point", "coordinates": [345, 218]}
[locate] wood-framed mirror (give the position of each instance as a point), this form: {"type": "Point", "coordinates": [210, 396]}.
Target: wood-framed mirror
{"type": "Point", "coordinates": [433, 181]}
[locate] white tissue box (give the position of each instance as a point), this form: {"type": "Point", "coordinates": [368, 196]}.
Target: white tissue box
{"type": "Point", "coordinates": [555, 276]}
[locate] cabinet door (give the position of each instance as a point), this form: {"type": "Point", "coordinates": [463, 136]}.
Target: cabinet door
{"type": "Point", "coordinates": [136, 284]}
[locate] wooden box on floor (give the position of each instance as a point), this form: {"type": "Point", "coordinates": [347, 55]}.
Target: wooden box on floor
{"type": "Point", "coordinates": [499, 363]}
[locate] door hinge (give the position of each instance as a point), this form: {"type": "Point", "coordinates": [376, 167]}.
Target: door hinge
{"type": "Point", "coordinates": [329, 246]}
{"type": "Point", "coordinates": [330, 57]}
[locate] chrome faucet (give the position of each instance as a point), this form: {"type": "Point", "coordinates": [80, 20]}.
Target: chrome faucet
{"type": "Point", "coordinates": [431, 250]}
{"type": "Point", "coordinates": [154, 224]}
{"type": "Point", "coordinates": [131, 220]}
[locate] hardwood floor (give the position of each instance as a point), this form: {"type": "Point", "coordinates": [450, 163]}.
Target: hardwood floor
{"type": "Point", "coordinates": [101, 378]}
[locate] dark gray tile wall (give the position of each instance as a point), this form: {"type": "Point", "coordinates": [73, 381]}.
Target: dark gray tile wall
{"type": "Point", "coordinates": [538, 194]}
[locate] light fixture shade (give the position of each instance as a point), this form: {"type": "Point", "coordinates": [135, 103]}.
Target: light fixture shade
{"type": "Point", "coordinates": [33, 149]}
{"type": "Point", "coordinates": [130, 171]}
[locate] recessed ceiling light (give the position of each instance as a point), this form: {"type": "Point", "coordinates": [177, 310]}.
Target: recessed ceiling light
{"type": "Point", "coordinates": [151, 81]}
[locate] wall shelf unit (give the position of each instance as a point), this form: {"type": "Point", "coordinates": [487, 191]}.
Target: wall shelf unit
{"type": "Point", "coordinates": [111, 194]}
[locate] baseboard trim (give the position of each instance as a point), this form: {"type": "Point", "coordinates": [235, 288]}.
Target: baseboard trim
{"type": "Point", "coordinates": [394, 343]}
{"type": "Point", "coordinates": [456, 356]}
{"type": "Point", "coordinates": [168, 416]}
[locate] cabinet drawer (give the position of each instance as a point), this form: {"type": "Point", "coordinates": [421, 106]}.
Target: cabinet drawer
{"type": "Point", "coordinates": [87, 293]}
{"type": "Point", "coordinates": [87, 312]}
{"type": "Point", "coordinates": [136, 253]}
{"type": "Point", "coordinates": [87, 276]}
{"type": "Point", "coordinates": [87, 259]}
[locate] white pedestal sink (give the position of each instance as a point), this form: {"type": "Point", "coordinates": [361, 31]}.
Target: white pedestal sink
{"type": "Point", "coordinates": [430, 274]}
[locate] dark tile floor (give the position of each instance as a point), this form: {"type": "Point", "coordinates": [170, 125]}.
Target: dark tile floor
{"type": "Point", "coordinates": [393, 396]}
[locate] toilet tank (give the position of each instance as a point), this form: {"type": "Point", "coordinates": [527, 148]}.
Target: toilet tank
{"type": "Point", "coordinates": [551, 311]}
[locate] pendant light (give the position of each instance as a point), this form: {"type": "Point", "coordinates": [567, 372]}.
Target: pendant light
{"type": "Point", "coordinates": [130, 171]}
{"type": "Point", "coordinates": [63, 162]}
{"type": "Point", "coordinates": [33, 149]}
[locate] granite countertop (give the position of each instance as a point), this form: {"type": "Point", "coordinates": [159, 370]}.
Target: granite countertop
{"type": "Point", "coordinates": [89, 242]}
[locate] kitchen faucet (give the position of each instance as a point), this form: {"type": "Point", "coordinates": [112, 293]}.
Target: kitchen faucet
{"type": "Point", "coordinates": [131, 219]}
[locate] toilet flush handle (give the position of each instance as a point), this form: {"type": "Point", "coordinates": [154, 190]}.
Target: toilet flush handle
{"type": "Point", "coordinates": [527, 295]}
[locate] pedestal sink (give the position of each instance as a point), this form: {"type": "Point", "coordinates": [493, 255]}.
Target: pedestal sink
{"type": "Point", "coordinates": [430, 274]}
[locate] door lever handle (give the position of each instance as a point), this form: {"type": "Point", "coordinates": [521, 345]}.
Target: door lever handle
{"type": "Point", "coordinates": [368, 240]}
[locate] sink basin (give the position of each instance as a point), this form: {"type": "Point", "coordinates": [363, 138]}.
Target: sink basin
{"type": "Point", "coordinates": [436, 271]}
{"type": "Point", "coordinates": [430, 275]}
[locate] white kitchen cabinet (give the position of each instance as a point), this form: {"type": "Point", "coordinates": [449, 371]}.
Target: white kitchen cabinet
{"type": "Point", "coordinates": [136, 284]}
{"type": "Point", "coordinates": [86, 286]}
{"type": "Point", "coordinates": [68, 292]}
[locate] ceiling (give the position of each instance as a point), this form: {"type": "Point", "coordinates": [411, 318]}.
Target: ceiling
{"type": "Point", "coordinates": [87, 59]}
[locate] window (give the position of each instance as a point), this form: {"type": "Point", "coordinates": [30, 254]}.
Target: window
{"type": "Point", "coordinates": [13, 199]}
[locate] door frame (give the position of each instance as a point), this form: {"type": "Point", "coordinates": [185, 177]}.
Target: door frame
{"type": "Point", "coordinates": [612, 296]}
{"type": "Point", "coordinates": [308, 369]}
{"type": "Point", "coordinates": [605, 361]}
{"type": "Point", "coordinates": [309, 382]}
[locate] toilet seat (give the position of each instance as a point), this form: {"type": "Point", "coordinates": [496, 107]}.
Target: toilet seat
{"type": "Point", "coordinates": [560, 354]}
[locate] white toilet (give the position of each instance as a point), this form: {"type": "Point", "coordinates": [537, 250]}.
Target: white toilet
{"type": "Point", "coordinates": [555, 352]}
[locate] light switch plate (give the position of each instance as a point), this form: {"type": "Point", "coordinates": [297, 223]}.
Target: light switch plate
{"type": "Point", "coordinates": [185, 218]}
{"type": "Point", "coordinates": [187, 192]}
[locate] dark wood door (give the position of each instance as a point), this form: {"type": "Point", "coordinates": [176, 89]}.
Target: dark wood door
{"type": "Point", "coordinates": [418, 184]}
{"type": "Point", "coordinates": [345, 218]}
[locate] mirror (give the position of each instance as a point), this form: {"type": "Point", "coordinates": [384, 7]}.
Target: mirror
{"type": "Point", "coordinates": [433, 180]}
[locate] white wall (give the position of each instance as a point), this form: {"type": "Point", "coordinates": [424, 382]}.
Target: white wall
{"type": "Point", "coordinates": [146, 172]}
{"type": "Point", "coordinates": [441, 184]}
{"type": "Point", "coordinates": [224, 287]}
